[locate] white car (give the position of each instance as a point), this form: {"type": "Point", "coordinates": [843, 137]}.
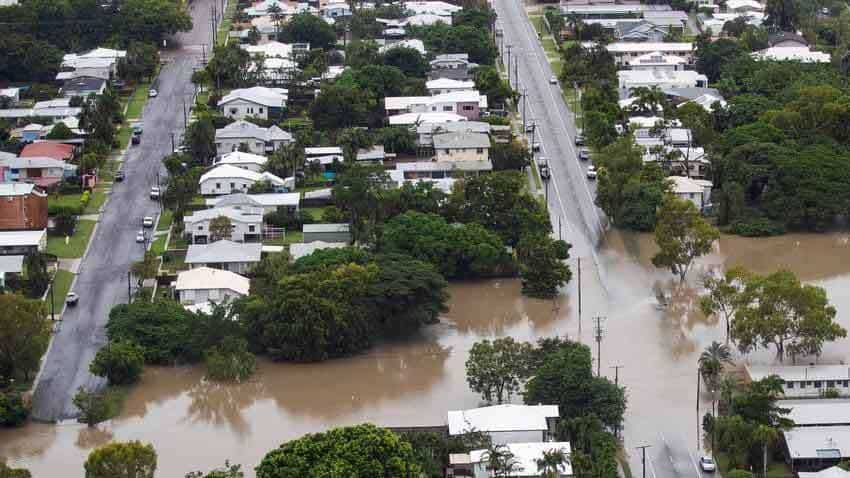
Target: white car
{"type": "Point", "coordinates": [553, 80]}
{"type": "Point", "coordinates": [147, 221]}
{"type": "Point", "coordinates": [140, 236]}
{"type": "Point", "coordinates": [707, 464]}
{"type": "Point", "coordinates": [72, 298]}
{"type": "Point", "coordinates": [152, 93]}
{"type": "Point", "coordinates": [154, 193]}
{"type": "Point", "coordinates": [535, 146]}
{"type": "Point", "coordinates": [583, 154]}
{"type": "Point", "coordinates": [529, 128]}
{"type": "Point", "coordinates": [591, 172]}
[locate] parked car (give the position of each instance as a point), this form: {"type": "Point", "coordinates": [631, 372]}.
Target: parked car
{"type": "Point", "coordinates": [535, 146]}
{"type": "Point", "coordinates": [579, 138]}
{"type": "Point", "coordinates": [147, 221]}
{"type": "Point", "coordinates": [591, 172]}
{"type": "Point", "coordinates": [119, 176]}
{"type": "Point", "coordinates": [136, 138]}
{"type": "Point", "coordinates": [707, 464]}
{"type": "Point", "coordinates": [553, 80]}
{"type": "Point", "coordinates": [155, 193]}
{"type": "Point", "coordinates": [152, 93]}
{"type": "Point", "coordinates": [72, 299]}
{"type": "Point", "coordinates": [583, 154]}
{"type": "Point", "coordinates": [140, 236]}
{"type": "Point", "coordinates": [529, 128]}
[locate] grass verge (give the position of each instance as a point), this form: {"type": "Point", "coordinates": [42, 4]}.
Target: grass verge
{"type": "Point", "coordinates": [158, 246]}
{"type": "Point", "coordinates": [165, 220]}
{"type": "Point", "coordinates": [76, 246]}
{"type": "Point", "coordinates": [137, 101]}
{"type": "Point", "coordinates": [61, 283]}
{"type": "Point", "coordinates": [98, 197]}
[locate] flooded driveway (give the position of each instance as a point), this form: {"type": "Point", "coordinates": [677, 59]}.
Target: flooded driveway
{"type": "Point", "coordinates": [195, 424]}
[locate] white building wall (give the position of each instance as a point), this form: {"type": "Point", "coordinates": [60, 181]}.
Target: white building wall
{"type": "Point", "coordinates": [814, 388]}
{"type": "Point", "coordinates": [216, 186]}
{"type": "Point", "coordinates": [240, 229]}
{"type": "Point", "coordinates": [224, 146]}
{"type": "Point", "coordinates": [240, 268]}
{"type": "Point", "coordinates": [240, 109]}
{"type": "Point", "coordinates": [196, 296]}
{"type": "Point", "coordinates": [503, 438]}
{"type": "Point", "coordinates": [470, 154]}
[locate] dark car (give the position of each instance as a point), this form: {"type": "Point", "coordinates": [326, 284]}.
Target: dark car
{"type": "Point", "coordinates": [72, 299]}
{"type": "Point", "coordinates": [119, 176]}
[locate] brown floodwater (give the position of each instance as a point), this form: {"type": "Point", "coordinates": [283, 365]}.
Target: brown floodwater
{"type": "Point", "coordinates": [195, 424]}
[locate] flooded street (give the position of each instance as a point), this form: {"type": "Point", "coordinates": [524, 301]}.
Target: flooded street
{"type": "Point", "coordinates": [194, 424]}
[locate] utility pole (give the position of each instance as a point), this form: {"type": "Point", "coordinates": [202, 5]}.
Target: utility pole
{"type": "Point", "coordinates": [204, 53]}
{"type": "Point", "coordinates": [579, 295]}
{"type": "Point", "coordinates": [52, 298]}
{"type": "Point", "coordinates": [508, 48]}
{"type": "Point", "coordinates": [617, 384]}
{"type": "Point", "coordinates": [598, 333]}
{"type": "Point", "coordinates": [173, 146]}
{"type": "Point", "coordinates": [524, 100]}
{"type": "Point", "coordinates": [643, 448]}
{"type": "Point", "coordinates": [516, 69]}
{"type": "Point", "coordinates": [129, 289]}
{"type": "Point", "coordinates": [185, 117]}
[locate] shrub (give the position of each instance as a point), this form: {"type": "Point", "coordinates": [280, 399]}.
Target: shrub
{"type": "Point", "coordinates": [85, 198]}
{"type": "Point", "coordinates": [757, 227]}
{"type": "Point", "coordinates": [64, 223]}
{"type": "Point", "coordinates": [13, 410]}
{"type": "Point", "coordinates": [230, 361]}
{"type": "Point", "coordinates": [120, 362]}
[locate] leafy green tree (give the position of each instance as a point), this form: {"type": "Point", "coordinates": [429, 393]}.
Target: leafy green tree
{"type": "Point", "coordinates": [286, 160]}
{"type": "Point", "coordinates": [166, 331]}
{"type": "Point", "coordinates": [682, 235]}
{"type": "Point", "coordinates": [759, 403]}
{"type": "Point", "coordinates": [8, 472]}
{"type": "Point", "coordinates": [339, 106]}
{"type": "Point", "coordinates": [782, 14]}
{"type": "Point", "coordinates": [740, 474]}
{"type": "Point", "coordinates": [361, 53]}
{"type": "Point", "coordinates": [550, 464]}
{"type": "Point", "coordinates": [408, 60]}
{"type": "Point", "coordinates": [230, 361]}
{"type": "Point", "coordinates": [35, 264]}
{"type": "Point", "coordinates": [120, 362]}
{"type": "Point", "coordinates": [458, 251]}
{"type": "Point", "coordinates": [358, 452]}
{"type": "Point", "coordinates": [380, 80]}
{"type": "Point", "coordinates": [398, 140]}
{"type": "Point", "coordinates": [421, 197]}
{"type": "Point", "coordinates": [793, 317]}
{"type": "Point", "coordinates": [60, 131]}
{"type": "Point", "coordinates": [122, 460]}
{"type": "Point", "coordinates": [358, 192]}
{"type": "Point", "coordinates": [497, 369]}
{"type": "Point", "coordinates": [477, 42]}
{"type": "Point", "coordinates": [95, 407]}
{"type": "Point", "coordinates": [200, 140]}
{"type": "Point", "coordinates": [489, 82]}
{"type": "Point", "coordinates": [13, 410]}
{"type": "Point", "coordinates": [711, 56]}
{"type": "Point", "coordinates": [145, 268]}
{"type": "Point", "coordinates": [227, 471]}
{"type": "Point", "coordinates": [26, 58]}
{"type": "Point", "coordinates": [141, 61]}
{"type": "Point", "coordinates": [308, 28]}
{"type": "Point", "coordinates": [541, 265]}
{"type": "Point", "coordinates": [565, 377]}
{"type": "Point", "coordinates": [152, 20]}
{"type": "Point", "coordinates": [725, 296]}
{"type": "Point", "coordinates": [24, 334]}
{"type": "Point", "coordinates": [500, 202]}
{"type": "Point", "coordinates": [220, 228]}
{"type": "Point", "coordinates": [509, 156]}
{"type": "Point", "coordinates": [500, 461]}
{"type": "Point", "coordinates": [228, 68]}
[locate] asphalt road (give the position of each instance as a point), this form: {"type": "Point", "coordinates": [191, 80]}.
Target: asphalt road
{"type": "Point", "coordinates": [570, 199]}
{"type": "Point", "coordinates": [102, 279]}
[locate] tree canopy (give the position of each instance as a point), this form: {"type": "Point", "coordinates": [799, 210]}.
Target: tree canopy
{"type": "Point", "coordinates": [121, 460]}
{"type": "Point", "coordinates": [24, 334]}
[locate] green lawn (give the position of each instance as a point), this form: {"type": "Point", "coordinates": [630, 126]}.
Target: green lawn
{"type": "Point", "coordinates": [224, 29]}
{"type": "Point", "coordinates": [293, 236]}
{"type": "Point", "coordinates": [158, 246]}
{"type": "Point", "coordinates": [62, 283]}
{"type": "Point", "coordinates": [98, 197]}
{"type": "Point", "coordinates": [76, 247]}
{"type": "Point", "coordinates": [165, 220]}
{"type": "Point", "coordinates": [315, 212]}
{"type": "Point", "coordinates": [65, 201]}
{"type": "Point", "coordinates": [137, 101]}
{"type": "Point", "coordinates": [124, 136]}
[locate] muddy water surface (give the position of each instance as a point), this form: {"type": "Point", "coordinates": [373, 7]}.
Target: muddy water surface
{"type": "Point", "coordinates": [195, 424]}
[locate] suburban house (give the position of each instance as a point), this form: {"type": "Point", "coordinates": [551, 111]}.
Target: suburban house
{"type": "Point", "coordinates": [831, 472]}
{"type": "Point", "coordinates": [697, 191]}
{"type": "Point", "coordinates": [11, 95]}
{"type": "Point", "coordinates": [83, 86]}
{"type": "Point", "coordinates": [327, 233]}
{"type": "Point", "coordinates": [743, 6]}
{"type": "Point", "coordinates": [410, 119]}
{"type": "Point", "coordinates": [249, 161]}
{"type": "Point", "coordinates": [300, 249]}
{"type": "Point", "coordinates": [246, 224]}
{"type": "Point", "coordinates": [48, 149]}
{"type": "Point", "coordinates": [10, 265]}
{"type": "Point", "coordinates": [806, 381]}
{"type": "Point", "coordinates": [657, 61]}
{"type": "Point", "coordinates": [205, 284]}
{"type": "Point", "coordinates": [430, 7]}
{"type": "Point", "coordinates": [55, 109]}
{"type": "Point", "coordinates": [227, 179]}
{"type": "Point", "coordinates": [22, 242]}
{"type": "Point", "coordinates": [525, 455]}
{"type": "Point", "coordinates": [268, 202]}
{"type": "Point", "coordinates": [258, 101]}
{"type": "Point", "coordinates": [462, 146]}
{"type": "Point", "coordinates": [32, 132]}
{"type": "Point", "coordinates": [104, 57]}
{"type": "Point", "coordinates": [624, 52]}
{"type": "Point", "coordinates": [468, 104]}
{"type": "Point", "coordinates": [22, 207]}
{"type": "Point", "coordinates": [276, 49]}
{"type": "Point", "coordinates": [426, 131]}
{"type": "Point", "coordinates": [507, 423]}
{"type": "Point", "coordinates": [442, 169]}
{"type": "Point", "coordinates": [256, 139]}
{"type": "Point", "coordinates": [826, 412]}
{"type": "Point", "coordinates": [453, 66]}
{"type": "Point", "coordinates": [414, 44]}
{"type": "Point", "coordinates": [640, 32]}
{"type": "Point", "coordinates": [585, 11]}
{"type": "Point", "coordinates": [40, 171]}
{"type": "Point", "coordinates": [802, 54]}
{"type": "Point", "coordinates": [225, 255]}
{"type": "Point", "coordinates": [446, 85]}
{"type": "Point", "coordinates": [816, 448]}
{"type": "Point", "coordinates": [629, 79]}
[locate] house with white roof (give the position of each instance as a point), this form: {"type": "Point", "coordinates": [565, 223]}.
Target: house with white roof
{"type": "Point", "coordinates": [525, 457]}
{"type": "Point", "coordinates": [327, 233]}
{"type": "Point", "coordinates": [826, 412]}
{"type": "Point", "coordinates": [447, 85]}
{"type": "Point", "coordinates": [268, 202]}
{"type": "Point", "coordinates": [629, 79]}
{"type": "Point", "coordinates": [468, 104]}
{"type": "Point", "coordinates": [508, 423]}
{"type": "Point", "coordinates": [205, 284]}
{"type": "Point", "coordinates": [428, 170]}
{"type": "Point", "coordinates": [225, 255]}
{"type": "Point", "coordinates": [624, 52]}
{"type": "Point", "coordinates": [707, 101]}
{"type": "Point", "coordinates": [228, 179]}
{"type": "Point", "coordinates": [454, 66]}
{"type": "Point", "coordinates": [743, 6]}
{"type": "Point", "coordinates": [12, 95]}
{"type": "Point", "coordinates": [657, 61]}
{"type": "Point", "coordinates": [697, 191]}
{"type": "Point", "coordinates": [802, 54]}
{"type": "Point", "coordinates": [257, 101]}
{"type": "Point", "coordinates": [256, 139]}
{"type": "Point", "coordinates": [815, 448]}
{"type": "Point", "coordinates": [441, 9]}
{"type": "Point", "coordinates": [802, 381]}
{"type": "Point", "coordinates": [249, 161]}
{"type": "Point", "coordinates": [99, 58]}
{"type": "Point", "coordinates": [22, 242]}
{"type": "Point", "coordinates": [405, 119]}
{"type": "Point", "coordinates": [247, 224]}
{"type": "Point", "coordinates": [831, 472]}
{"type": "Point", "coordinates": [276, 49]}
{"type": "Point", "coordinates": [413, 43]}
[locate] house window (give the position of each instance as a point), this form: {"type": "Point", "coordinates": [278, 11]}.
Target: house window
{"type": "Point", "coordinates": [817, 383]}
{"type": "Point", "coordinates": [802, 384]}
{"type": "Point", "coordinates": [234, 111]}
{"type": "Point", "coordinates": [218, 185]}
{"type": "Point", "coordinates": [468, 108]}
{"type": "Point", "coordinates": [250, 110]}
{"type": "Point", "coordinates": [251, 228]}
{"type": "Point", "coordinates": [789, 385]}
{"type": "Point", "coordinates": [201, 228]}
{"type": "Point", "coordinates": [447, 108]}
{"type": "Point", "coordinates": [232, 185]}
{"type": "Point", "coordinates": [261, 111]}
{"type": "Point", "coordinates": [433, 108]}
{"type": "Point", "coordinates": [844, 383]}
{"type": "Point", "coordinates": [480, 150]}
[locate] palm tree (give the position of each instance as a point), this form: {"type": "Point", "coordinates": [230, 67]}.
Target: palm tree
{"type": "Point", "coordinates": [500, 461]}
{"type": "Point", "coordinates": [765, 435]}
{"type": "Point", "coordinates": [711, 363]}
{"type": "Point", "coordinates": [548, 465]}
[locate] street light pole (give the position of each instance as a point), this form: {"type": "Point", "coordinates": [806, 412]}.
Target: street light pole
{"type": "Point", "coordinates": [643, 448]}
{"type": "Point", "coordinates": [598, 336]}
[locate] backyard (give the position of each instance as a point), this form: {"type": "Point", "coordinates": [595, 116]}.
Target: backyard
{"type": "Point", "coordinates": [77, 243]}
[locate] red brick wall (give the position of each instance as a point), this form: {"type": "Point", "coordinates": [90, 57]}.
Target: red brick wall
{"type": "Point", "coordinates": [23, 212]}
